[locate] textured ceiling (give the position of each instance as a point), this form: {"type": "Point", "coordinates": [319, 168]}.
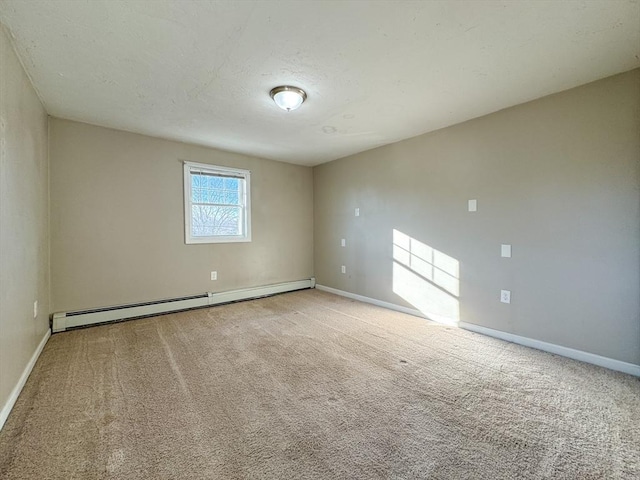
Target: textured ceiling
{"type": "Point", "coordinates": [376, 72]}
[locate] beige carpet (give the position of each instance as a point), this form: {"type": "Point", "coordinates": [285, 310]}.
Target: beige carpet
{"type": "Point", "coordinates": [311, 385]}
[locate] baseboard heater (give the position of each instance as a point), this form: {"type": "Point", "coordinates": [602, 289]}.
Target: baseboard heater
{"type": "Point", "coordinates": [66, 320]}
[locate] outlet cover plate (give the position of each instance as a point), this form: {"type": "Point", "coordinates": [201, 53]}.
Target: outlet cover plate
{"type": "Point", "coordinates": [505, 296]}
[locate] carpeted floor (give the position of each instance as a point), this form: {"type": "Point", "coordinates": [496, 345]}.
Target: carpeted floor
{"type": "Point", "coordinates": [311, 385]}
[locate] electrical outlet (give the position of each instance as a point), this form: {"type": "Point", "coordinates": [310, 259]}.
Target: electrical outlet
{"type": "Point", "coordinates": [357, 212]}
{"type": "Point", "coordinates": [343, 242]}
{"type": "Point", "coordinates": [344, 269]}
{"type": "Point", "coordinates": [35, 309]}
{"type": "Point", "coordinates": [214, 275]}
{"type": "Point", "coordinates": [505, 296]}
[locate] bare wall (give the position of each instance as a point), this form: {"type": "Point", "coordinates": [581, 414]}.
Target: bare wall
{"type": "Point", "coordinates": [24, 220]}
{"type": "Point", "coordinates": [117, 221]}
{"type": "Point", "coordinates": [557, 178]}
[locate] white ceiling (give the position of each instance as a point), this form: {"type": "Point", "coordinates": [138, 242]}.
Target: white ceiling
{"type": "Point", "coordinates": [375, 71]}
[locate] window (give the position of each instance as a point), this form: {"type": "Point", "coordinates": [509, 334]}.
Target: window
{"type": "Point", "coordinates": [217, 206]}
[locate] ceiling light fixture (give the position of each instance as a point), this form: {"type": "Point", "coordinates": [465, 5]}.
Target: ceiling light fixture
{"type": "Point", "coordinates": [288, 98]}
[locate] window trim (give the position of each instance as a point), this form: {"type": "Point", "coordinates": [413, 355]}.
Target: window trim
{"type": "Point", "coordinates": [215, 169]}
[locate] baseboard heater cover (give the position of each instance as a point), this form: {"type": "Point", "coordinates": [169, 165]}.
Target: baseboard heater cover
{"type": "Point", "coordinates": [66, 320]}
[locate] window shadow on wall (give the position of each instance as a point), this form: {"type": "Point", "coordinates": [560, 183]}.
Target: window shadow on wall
{"type": "Point", "coordinates": [426, 278]}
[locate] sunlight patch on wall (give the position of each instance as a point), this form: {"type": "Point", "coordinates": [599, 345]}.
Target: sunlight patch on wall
{"type": "Point", "coordinates": [426, 278]}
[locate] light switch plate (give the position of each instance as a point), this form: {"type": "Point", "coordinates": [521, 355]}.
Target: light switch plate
{"type": "Point", "coordinates": [357, 212]}
{"type": "Point", "coordinates": [344, 269]}
{"type": "Point", "coordinates": [214, 275]}
{"type": "Point", "coordinates": [343, 242]}
{"type": "Point", "coordinates": [505, 251]}
{"type": "Point", "coordinates": [473, 205]}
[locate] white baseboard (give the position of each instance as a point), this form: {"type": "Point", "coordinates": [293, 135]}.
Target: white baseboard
{"type": "Point", "coordinates": [586, 357]}
{"type": "Point", "coordinates": [65, 320]}
{"type": "Point", "coordinates": [373, 301]}
{"type": "Point", "coordinates": [15, 393]}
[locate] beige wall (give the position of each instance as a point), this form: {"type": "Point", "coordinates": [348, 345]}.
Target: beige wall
{"type": "Point", "coordinates": [117, 221]}
{"type": "Point", "coordinates": [558, 178]}
{"type": "Point", "coordinates": [24, 220]}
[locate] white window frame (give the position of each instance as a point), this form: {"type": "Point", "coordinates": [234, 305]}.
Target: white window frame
{"type": "Point", "coordinates": [246, 203]}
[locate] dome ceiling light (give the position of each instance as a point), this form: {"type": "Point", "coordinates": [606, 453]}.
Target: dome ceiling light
{"type": "Point", "coordinates": [288, 98]}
